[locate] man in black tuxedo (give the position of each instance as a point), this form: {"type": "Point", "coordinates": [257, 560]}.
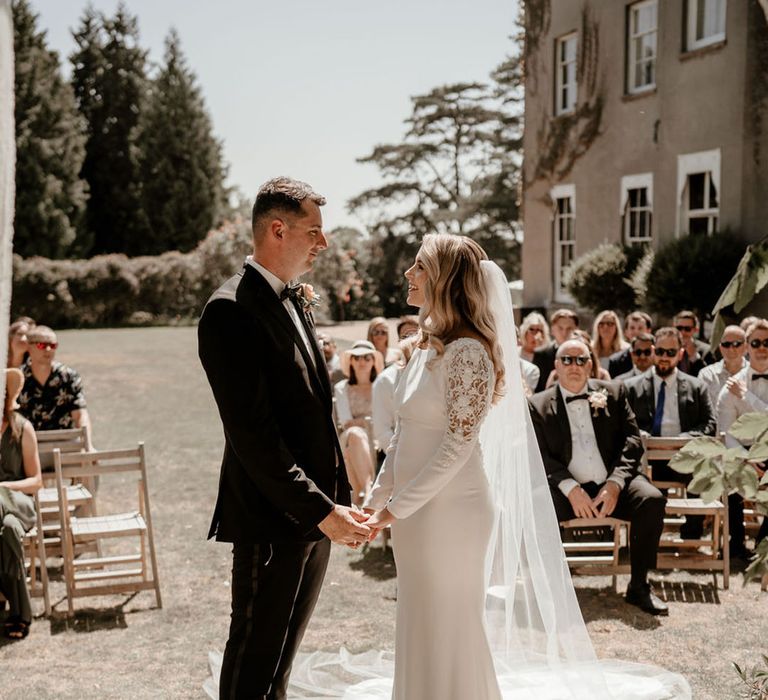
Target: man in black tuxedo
{"type": "Point", "coordinates": [562, 323]}
{"type": "Point", "coordinates": [592, 450]}
{"type": "Point", "coordinates": [669, 403]}
{"type": "Point", "coordinates": [283, 490]}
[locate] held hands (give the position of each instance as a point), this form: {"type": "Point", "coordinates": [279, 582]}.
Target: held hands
{"type": "Point", "coordinates": [378, 520]}
{"type": "Point", "coordinates": [345, 525]}
{"type": "Point", "coordinates": [600, 507]}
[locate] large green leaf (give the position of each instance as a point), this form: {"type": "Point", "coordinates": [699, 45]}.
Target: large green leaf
{"type": "Point", "coordinates": [704, 446]}
{"type": "Point", "coordinates": [749, 426]}
{"type": "Point", "coordinates": [685, 463]}
{"type": "Point", "coordinates": [713, 492]}
{"type": "Point", "coordinates": [700, 484]}
{"type": "Point", "coordinates": [745, 482]}
{"type": "Point", "coordinates": [764, 480]}
{"type": "Point", "coordinates": [758, 452]}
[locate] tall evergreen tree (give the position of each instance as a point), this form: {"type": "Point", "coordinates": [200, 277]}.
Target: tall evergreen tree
{"type": "Point", "coordinates": [50, 145]}
{"type": "Point", "coordinates": [110, 83]}
{"type": "Point", "coordinates": [181, 160]}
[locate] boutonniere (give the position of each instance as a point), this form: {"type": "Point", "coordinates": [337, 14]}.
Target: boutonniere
{"type": "Point", "coordinates": [307, 297]}
{"type": "Point", "coordinates": [599, 401]}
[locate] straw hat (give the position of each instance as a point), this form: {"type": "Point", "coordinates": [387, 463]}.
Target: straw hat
{"type": "Point", "coordinates": [358, 349]}
{"type": "Point", "coordinates": [14, 381]}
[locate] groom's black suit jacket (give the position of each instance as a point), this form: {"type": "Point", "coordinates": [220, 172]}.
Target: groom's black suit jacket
{"type": "Point", "coordinates": [616, 432]}
{"type": "Point", "coordinates": [282, 468]}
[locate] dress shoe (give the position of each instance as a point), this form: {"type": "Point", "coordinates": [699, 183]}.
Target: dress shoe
{"type": "Point", "coordinates": [643, 598]}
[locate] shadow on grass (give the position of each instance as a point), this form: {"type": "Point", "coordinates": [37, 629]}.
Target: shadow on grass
{"type": "Point", "coordinates": [377, 563]}
{"type": "Point", "coordinates": [91, 619]}
{"type": "Point", "coordinates": [605, 604]}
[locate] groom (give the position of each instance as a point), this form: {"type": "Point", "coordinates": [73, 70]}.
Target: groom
{"type": "Point", "coordinates": [283, 491]}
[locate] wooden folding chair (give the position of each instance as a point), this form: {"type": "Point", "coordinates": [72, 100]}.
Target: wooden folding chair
{"type": "Point", "coordinates": [589, 554]}
{"type": "Point", "coordinates": [118, 573]}
{"type": "Point", "coordinates": [674, 551]}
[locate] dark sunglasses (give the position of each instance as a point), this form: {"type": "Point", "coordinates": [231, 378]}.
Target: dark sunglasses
{"type": "Point", "coordinates": [606, 323]}
{"type": "Point", "coordinates": [661, 352]}
{"type": "Point", "coordinates": [685, 329]}
{"type": "Point", "coordinates": [731, 343]}
{"type": "Point", "coordinates": [757, 343]}
{"type": "Point", "coordinates": [380, 331]}
{"type": "Point", "coordinates": [46, 346]}
{"type": "Point", "coordinates": [580, 360]}
{"type": "Point", "coordinates": [642, 353]}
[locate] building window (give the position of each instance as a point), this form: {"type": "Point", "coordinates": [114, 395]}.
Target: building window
{"type": "Point", "coordinates": [698, 192]}
{"type": "Point", "coordinates": [641, 66]}
{"type": "Point", "coordinates": [636, 209]}
{"type": "Point", "coordinates": [706, 23]}
{"type": "Point", "coordinates": [566, 87]}
{"type": "Point", "coordinates": [564, 198]}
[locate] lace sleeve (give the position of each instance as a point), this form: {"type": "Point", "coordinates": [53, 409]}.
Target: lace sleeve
{"type": "Point", "coordinates": [385, 481]}
{"type": "Point", "coordinates": [468, 373]}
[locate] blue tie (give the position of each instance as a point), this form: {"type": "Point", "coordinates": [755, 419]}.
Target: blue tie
{"type": "Point", "coordinates": [659, 413]}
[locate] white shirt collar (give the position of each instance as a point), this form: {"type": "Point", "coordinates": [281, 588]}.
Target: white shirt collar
{"type": "Point", "coordinates": [751, 371]}
{"type": "Point", "coordinates": [669, 379]}
{"type": "Point", "coordinates": [272, 279]}
{"type": "Point", "coordinates": [566, 393]}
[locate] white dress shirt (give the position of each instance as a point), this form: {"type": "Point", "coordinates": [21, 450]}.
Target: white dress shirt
{"type": "Point", "coordinates": [714, 377]}
{"type": "Point", "coordinates": [670, 421]}
{"type": "Point", "coordinates": [730, 407]}
{"type": "Point", "coordinates": [277, 286]}
{"type": "Point", "coordinates": [586, 461]}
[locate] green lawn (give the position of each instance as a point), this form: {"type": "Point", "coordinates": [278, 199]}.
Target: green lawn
{"type": "Point", "coordinates": [147, 384]}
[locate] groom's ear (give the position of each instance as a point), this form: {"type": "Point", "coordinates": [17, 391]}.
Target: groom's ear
{"type": "Point", "coordinates": [277, 228]}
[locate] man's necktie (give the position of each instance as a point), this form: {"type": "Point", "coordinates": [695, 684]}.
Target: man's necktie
{"type": "Point", "coordinates": [576, 397]}
{"type": "Point", "coordinates": [659, 413]}
{"type": "Point", "coordinates": [760, 376]}
{"type": "Point", "coordinates": [289, 292]}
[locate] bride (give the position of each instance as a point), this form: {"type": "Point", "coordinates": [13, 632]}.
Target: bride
{"type": "Point", "coordinates": [485, 604]}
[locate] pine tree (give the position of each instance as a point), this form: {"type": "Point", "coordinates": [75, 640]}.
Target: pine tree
{"type": "Point", "coordinates": [110, 84]}
{"type": "Point", "coordinates": [50, 146]}
{"type": "Point", "coordinates": [181, 161]}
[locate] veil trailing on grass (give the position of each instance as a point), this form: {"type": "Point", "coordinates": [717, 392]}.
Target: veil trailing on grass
{"type": "Point", "coordinates": [540, 644]}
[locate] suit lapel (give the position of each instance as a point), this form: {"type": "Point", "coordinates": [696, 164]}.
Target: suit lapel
{"type": "Point", "coordinates": [557, 406]}
{"type": "Point", "coordinates": [256, 294]}
{"type": "Point", "coordinates": [683, 401]}
{"type": "Point", "coordinates": [309, 329]}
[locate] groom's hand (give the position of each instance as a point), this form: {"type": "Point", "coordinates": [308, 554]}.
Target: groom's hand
{"type": "Point", "coordinates": [345, 526]}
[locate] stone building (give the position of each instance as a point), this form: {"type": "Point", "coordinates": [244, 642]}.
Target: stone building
{"type": "Point", "coordinates": [644, 121]}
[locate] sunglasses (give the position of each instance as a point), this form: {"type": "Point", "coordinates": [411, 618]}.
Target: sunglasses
{"type": "Point", "coordinates": [668, 352]}
{"type": "Point", "coordinates": [606, 323]}
{"type": "Point", "coordinates": [46, 346]}
{"type": "Point", "coordinates": [580, 360]}
{"type": "Point", "coordinates": [537, 331]}
{"type": "Point", "coordinates": [731, 343]}
{"type": "Point", "coordinates": [757, 343]}
{"type": "Point", "coordinates": [380, 331]}
{"type": "Point", "coordinates": [685, 329]}
{"type": "Point", "coordinates": [642, 353]}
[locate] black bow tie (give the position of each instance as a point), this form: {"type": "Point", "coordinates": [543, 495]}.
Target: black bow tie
{"type": "Point", "coordinates": [760, 376]}
{"type": "Point", "coordinates": [576, 397]}
{"type": "Point", "coordinates": [291, 293]}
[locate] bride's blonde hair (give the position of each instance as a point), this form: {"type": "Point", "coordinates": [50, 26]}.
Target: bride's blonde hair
{"type": "Point", "coordinates": [455, 297]}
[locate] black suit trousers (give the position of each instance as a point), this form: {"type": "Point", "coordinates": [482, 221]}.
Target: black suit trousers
{"type": "Point", "coordinates": [642, 504]}
{"type": "Point", "coordinates": [274, 591]}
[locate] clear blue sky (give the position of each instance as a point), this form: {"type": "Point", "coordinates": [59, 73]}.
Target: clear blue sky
{"type": "Point", "coordinates": [303, 87]}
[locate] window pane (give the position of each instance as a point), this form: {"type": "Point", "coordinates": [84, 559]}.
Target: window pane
{"type": "Point", "coordinates": [700, 14]}
{"type": "Point", "coordinates": [696, 191]}
{"type": "Point", "coordinates": [698, 226]}
{"type": "Point", "coordinates": [712, 194]}
{"type": "Point", "coordinates": [648, 46]}
{"type": "Point", "coordinates": [569, 49]}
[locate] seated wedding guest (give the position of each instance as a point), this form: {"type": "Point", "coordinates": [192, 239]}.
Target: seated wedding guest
{"type": "Point", "coordinates": [733, 348]}
{"type": "Point", "coordinates": [378, 334]}
{"type": "Point", "coordinates": [18, 346]}
{"type": "Point", "coordinates": [597, 372]}
{"type": "Point", "coordinates": [331, 354]}
{"type": "Point", "coordinates": [592, 453]}
{"type": "Point", "coordinates": [406, 327]}
{"type": "Point", "coordinates": [534, 334]}
{"type": "Point", "coordinates": [354, 403]}
{"type": "Point", "coordinates": [635, 323]}
{"type": "Point", "coordinates": [642, 356]}
{"type": "Point", "coordinates": [383, 417]}
{"type": "Point", "coordinates": [744, 392]}
{"type": "Point", "coordinates": [693, 359]}
{"type": "Point", "coordinates": [562, 324]}
{"type": "Point", "coordinates": [607, 337]}
{"type": "Point", "coordinates": [669, 403]}
{"type": "Point", "coordinates": [52, 397]}
{"type": "Point", "coordinates": [20, 479]}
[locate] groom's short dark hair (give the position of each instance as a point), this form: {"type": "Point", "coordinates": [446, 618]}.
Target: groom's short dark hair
{"type": "Point", "coordinates": [282, 194]}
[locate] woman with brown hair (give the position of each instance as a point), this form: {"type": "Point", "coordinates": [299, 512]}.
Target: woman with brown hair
{"type": "Point", "coordinates": [378, 334]}
{"type": "Point", "coordinates": [20, 479]}
{"type": "Point", "coordinates": [608, 338]}
{"type": "Point", "coordinates": [18, 344]}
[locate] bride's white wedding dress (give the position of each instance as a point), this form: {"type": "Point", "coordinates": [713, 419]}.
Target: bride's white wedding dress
{"type": "Point", "coordinates": [486, 608]}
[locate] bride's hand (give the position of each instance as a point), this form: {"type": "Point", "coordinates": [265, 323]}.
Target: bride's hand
{"type": "Point", "coordinates": [379, 520]}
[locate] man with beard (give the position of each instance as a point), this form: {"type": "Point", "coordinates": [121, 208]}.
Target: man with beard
{"type": "Point", "coordinates": [669, 403]}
